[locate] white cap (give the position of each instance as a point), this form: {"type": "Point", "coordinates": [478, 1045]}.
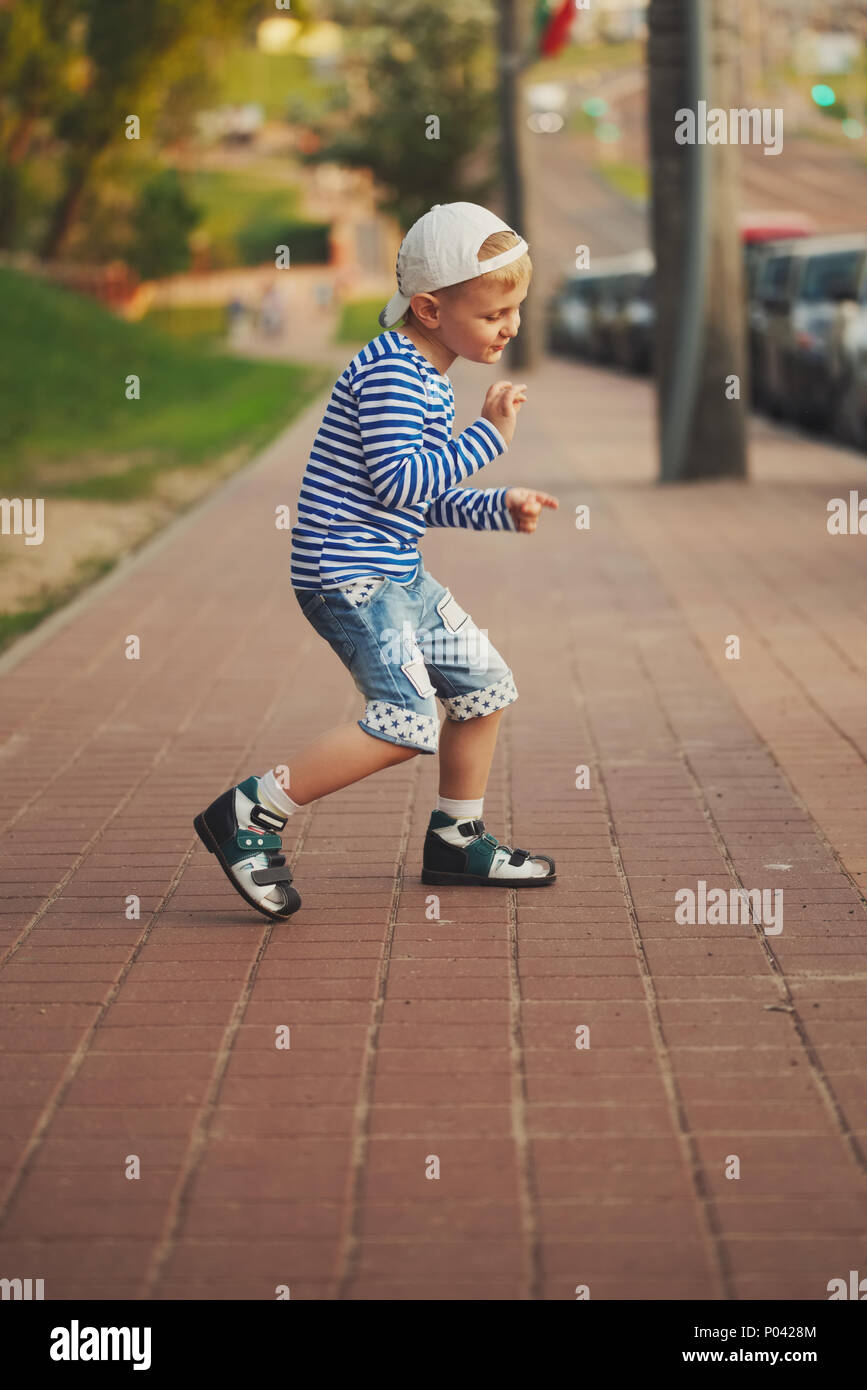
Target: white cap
{"type": "Point", "coordinates": [441, 249]}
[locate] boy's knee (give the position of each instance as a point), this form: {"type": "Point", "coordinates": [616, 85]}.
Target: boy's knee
{"type": "Point", "coordinates": [405, 729]}
{"type": "Point", "coordinates": [400, 752]}
{"type": "Point", "coordinates": [391, 752]}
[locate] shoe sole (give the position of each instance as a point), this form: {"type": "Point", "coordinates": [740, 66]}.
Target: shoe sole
{"type": "Point", "coordinates": [438, 876]}
{"type": "Point", "coordinates": [207, 839]}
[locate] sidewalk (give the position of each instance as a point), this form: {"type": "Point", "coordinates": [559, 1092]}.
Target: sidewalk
{"type": "Point", "coordinates": [414, 1038]}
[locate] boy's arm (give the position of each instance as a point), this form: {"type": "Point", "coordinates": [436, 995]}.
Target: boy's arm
{"type": "Point", "coordinates": [392, 408]}
{"type": "Point", "coordinates": [480, 509]}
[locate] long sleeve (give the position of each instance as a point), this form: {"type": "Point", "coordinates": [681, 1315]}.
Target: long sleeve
{"type": "Point", "coordinates": [392, 410]}
{"type": "Point", "coordinates": [480, 509]}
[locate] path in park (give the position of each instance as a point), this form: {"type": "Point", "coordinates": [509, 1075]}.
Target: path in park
{"type": "Point", "coordinates": [604, 1166]}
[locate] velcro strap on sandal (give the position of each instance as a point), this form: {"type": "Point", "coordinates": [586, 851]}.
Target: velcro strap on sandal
{"type": "Point", "coordinates": [255, 843]}
{"type": "Point", "coordinates": [472, 827]}
{"type": "Point", "coordinates": [272, 875]}
{"type": "Point", "coordinates": [518, 856]}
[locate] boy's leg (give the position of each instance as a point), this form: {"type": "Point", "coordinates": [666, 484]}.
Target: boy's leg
{"type": "Point", "coordinates": [239, 827]}
{"type": "Point", "coordinates": [472, 678]}
{"type": "Point", "coordinates": [458, 848]}
{"type": "Point", "coordinates": [466, 751]}
{"type": "Point", "coordinates": [337, 758]}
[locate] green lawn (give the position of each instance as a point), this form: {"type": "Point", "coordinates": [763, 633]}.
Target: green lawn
{"type": "Point", "coordinates": [283, 83]}
{"type": "Point", "coordinates": [14, 625]}
{"type": "Point", "coordinates": [359, 322]}
{"type": "Point", "coordinates": [66, 427]}
{"type": "Point", "coordinates": [631, 180]}
{"type": "Point", "coordinates": [235, 202]}
{"type": "Point", "coordinates": [577, 59]}
{"type": "Point", "coordinates": [193, 323]}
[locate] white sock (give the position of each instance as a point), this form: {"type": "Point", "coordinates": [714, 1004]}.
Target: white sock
{"type": "Point", "coordinates": [461, 810]}
{"type": "Point", "coordinates": [272, 795]}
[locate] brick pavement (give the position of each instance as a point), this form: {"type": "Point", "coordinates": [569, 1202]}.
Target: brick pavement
{"type": "Point", "coordinates": [410, 1038]}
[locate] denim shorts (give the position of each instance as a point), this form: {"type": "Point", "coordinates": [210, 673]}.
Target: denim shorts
{"type": "Point", "coordinates": [406, 646]}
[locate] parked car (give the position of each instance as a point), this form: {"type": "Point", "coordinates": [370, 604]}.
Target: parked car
{"type": "Point", "coordinates": [635, 324]}
{"type": "Point", "coordinates": [587, 314]}
{"type": "Point", "coordinates": [759, 229]}
{"type": "Point", "coordinates": [622, 288]}
{"type": "Point", "coordinates": [806, 291]}
{"type": "Point", "coordinates": [849, 389]}
{"type": "Point", "coordinates": [767, 323]}
{"type": "Point", "coordinates": [570, 314]}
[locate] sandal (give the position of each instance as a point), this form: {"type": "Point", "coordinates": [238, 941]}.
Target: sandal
{"type": "Point", "coordinates": [239, 831]}
{"type": "Point", "coordinates": [479, 860]}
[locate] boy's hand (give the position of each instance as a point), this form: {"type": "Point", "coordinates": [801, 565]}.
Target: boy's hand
{"type": "Point", "coordinates": [502, 403]}
{"type": "Point", "coordinates": [525, 505]}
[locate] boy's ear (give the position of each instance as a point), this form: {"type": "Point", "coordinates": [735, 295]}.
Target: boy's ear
{"type": "Point", "coordinates": [426, 309]}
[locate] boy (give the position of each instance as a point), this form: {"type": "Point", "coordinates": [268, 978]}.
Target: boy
{"type": "Point", "coordinates": [383, 467]}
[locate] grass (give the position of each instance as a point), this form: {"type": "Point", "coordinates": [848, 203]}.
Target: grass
{"type": "Point", "coordinates": [578, 122]}
{"type": "Point", "coordinates": [849, 87]}
{"type": "Point", "coordinates": [280, 82]}
{"type": "Point", "coordinates": [203, 323]}
{"type": "Point", "coordinates": [66, 427]}
{"type": "Point", "coordinates": [359, 322]}
{"type": "Point", "coordinates": [15, 625]}
{"type": "Point", "coordinates": [577, 59]}
{"type": "Point", "coordinates": [628, 179]}
{"type": "Point", "coordinates": [233, 201]}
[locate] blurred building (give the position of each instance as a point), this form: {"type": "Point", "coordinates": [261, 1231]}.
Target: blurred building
{"type": "Point", "coordinates": [826, 51]}
{"type": "Point", "coordinates": [610, 20]}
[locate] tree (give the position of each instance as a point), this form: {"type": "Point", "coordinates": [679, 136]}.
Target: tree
{"type": "Point", "coordinates": [409, 61]}
{"type": "Point", "coordinates": [125, 46]}
{"type": "Point", "coordinates": [714, 422]}
{"type": "Point", "coordinates": [39, 48]}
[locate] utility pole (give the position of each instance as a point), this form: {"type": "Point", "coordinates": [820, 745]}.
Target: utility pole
{"type": "Point", "coordinates": [512, 55]}
{"type": "Point", "coordinates": [700, 309]}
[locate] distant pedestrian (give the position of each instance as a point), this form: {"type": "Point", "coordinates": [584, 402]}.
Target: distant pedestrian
{"type": "Point", "coordinates": [323, 293]}
{"type": "Point", "coordinates": [271, 313]}
{"type": "Point", "coordinates": [236, 311]}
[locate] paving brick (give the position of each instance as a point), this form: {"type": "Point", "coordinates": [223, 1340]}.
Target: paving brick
{"type": "Point", "coordinates": [594, 1220]}
{"type": "Point", "coordinates": [463, 1121]}
{"type": "Point", "coordinates": [289, 1181]}
{"type": "Point", "coordinates": [697, 763]}
{"type": "Point", "coordinates": [242, 1264]}
{"type": "Point", "coordinates": [132, 1217]}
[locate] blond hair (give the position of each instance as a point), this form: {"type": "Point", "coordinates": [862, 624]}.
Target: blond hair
{"type": "Point", "coordinates": [507, 277]}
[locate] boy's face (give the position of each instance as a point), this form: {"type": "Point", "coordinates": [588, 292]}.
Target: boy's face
{"type": "Point", "coordinates": [478, 319]}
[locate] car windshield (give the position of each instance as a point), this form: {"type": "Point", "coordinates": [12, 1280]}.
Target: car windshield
{"type": "Point", "coordinates": [582, 290]}
{"type": "Point", "coordinates": [825, 276]}
{"type": "Point", "coordinates": [773, 278]}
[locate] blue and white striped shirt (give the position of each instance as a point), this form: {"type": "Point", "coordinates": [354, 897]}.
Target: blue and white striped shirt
{"type": "Point", "coordinates": [384, 467]}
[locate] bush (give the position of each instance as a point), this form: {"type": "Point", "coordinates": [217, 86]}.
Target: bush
{"type": "Point", "coordinates": [162, 221]}
{"type": "Point", "coordinates": [307, 241]}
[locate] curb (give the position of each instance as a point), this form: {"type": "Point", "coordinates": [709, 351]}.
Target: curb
{"type": "Point", "coordinates": [30, 642]}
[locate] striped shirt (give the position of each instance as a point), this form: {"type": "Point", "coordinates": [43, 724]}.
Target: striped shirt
{"type": "Point", "coordinates": [384, 467]}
